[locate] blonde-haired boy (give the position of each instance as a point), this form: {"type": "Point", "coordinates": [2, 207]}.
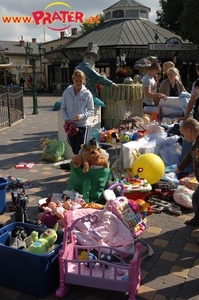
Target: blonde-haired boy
{"type": "Point", "coordinates": [190, 130]}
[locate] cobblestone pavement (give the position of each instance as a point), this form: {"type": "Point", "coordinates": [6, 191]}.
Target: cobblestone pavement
{"type": "Point", "coordinates": [171, 273]}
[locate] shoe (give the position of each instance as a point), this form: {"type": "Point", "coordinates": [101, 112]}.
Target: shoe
{"type": "Point", "coordinates": [65, 167]}
{"type": "Point", "coordinates": [191, 222]}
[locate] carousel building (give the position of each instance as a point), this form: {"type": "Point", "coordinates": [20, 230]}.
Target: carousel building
{"type": "Point", "coordinates": [125, 37]}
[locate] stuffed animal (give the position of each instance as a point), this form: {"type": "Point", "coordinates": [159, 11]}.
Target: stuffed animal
{"type": "Point", "coordinates": [93, 158]}
{"type": "Point", "coordinates": [44, 142]}
{"type": "Point", "coordinates": [43, 244]}
{"type": "Point", "coordinates": [17, 239]}
{"type": "Point", "coordinates": [90, 154]}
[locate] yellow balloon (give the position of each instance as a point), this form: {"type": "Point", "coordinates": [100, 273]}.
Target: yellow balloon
{"type": "Point", "coordinates": [149, 166]}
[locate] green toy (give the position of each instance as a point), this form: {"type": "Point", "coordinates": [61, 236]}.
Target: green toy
{"type": "Point", "coordinates": [46, 240]}
{"type": "Point", "coordinates": [90, 184]}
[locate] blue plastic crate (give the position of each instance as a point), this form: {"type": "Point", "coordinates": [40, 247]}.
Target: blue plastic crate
{"type": "Point", "coordinates": [3, 185]}
{"type": "Point", "coordinates": [28, 273]}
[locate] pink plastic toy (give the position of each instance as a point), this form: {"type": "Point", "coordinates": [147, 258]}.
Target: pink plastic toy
{"type": "Point", "coordinates": [118, 276]}
{"type": "Point", "coordinates": [128, 214]}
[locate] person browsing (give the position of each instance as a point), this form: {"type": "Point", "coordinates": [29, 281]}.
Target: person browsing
{"type": "Point", "coordinates": [190, 130]}
{"type": "Point", "coordinates": [172, 85]}
{"type": "Point", "coordinates": [151, 96]}
{"type": "Point", "coordinates": [192, 101]}
{"type": "Point", "coordinates": [76, 106]}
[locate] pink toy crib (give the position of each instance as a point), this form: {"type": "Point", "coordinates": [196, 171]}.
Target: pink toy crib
{"type": "Point", "coordinates": [97, 273]}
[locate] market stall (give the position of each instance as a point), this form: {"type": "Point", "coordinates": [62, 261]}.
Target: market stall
{"type": "Point", "coordinates": [122, 103]}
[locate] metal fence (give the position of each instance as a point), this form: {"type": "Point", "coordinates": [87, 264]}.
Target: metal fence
{"type": "Point", "coordinates": [11, 107]}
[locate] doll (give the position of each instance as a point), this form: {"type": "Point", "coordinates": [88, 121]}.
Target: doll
{"type": "Point", "coordinates": [54, 213]}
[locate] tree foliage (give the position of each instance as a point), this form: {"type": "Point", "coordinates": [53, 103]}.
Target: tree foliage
{"type": "Point", "coordinates": [91, 23]}
{"type": "Point", "coordinates": [5, 73]}
{"type": "Point", "coordinates": [180, 17]}
{"type": "Point", "coordinates": [169, 16]}
{"type": "Point", "coordinates": [189, 21]}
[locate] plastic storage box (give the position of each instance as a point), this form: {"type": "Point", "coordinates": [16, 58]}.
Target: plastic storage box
{"type": "Point", "coordinates": [28, 273]}
{"type": "Point", "coordinates": [3, 185]}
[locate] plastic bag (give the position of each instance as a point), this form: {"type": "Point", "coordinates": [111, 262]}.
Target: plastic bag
{"type": "Point", "coordinates": [54, 151]}
{"type": "Point", "coordinates": [183, 197]}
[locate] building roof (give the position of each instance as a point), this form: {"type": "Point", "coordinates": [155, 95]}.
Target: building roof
{"type": "Point", "coordinates": [132, 36]}
{"type": "Point", "coordinates": [14, 47]}
{"type": "Point", "coordinates": [126, 28]}
{"type": "Point", "coordinates": [124, 33]}
{"type": "Point", "coordinates": [126, 3]}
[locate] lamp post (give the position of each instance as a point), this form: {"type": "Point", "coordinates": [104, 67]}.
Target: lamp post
{"type": "Point", "coordinates": [33, 60]}
{"type": "Point", "coordinates": [64, 66]}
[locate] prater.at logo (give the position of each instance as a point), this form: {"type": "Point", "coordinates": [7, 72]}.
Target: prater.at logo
{"type": "Point", "coordinates": [47, 17]}
{"type": "Point", "coordinates": [64, 16]}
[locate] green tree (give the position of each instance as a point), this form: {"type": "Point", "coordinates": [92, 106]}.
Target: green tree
{"type": "Point", "coordinates": [91, 23]}
{"type": "Point", "coordinates": [169, 15]}
{"type": "Point", "coordinates": [189, 21]}
{"type": "Point", "coordinates": [5, 73]}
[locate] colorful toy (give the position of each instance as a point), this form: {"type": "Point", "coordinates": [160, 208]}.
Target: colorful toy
{"type": "Point", "coordinates": [44, 243]}
{"type": "Point", "coordinates": [144, 208]}
{"type": "Point", "coordinates": [127, 212]}
{"type": "Point", "coordinates": [149, 166]}
{"type": "Point", "coordinates": [124, 138]}
{"type": "Point", "coordinates": [91, 260]}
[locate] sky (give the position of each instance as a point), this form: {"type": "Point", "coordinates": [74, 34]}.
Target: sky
{"type": "Point", "coordinates": [18, 8]}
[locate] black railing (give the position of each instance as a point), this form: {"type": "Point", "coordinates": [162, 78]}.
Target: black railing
{"type": "Point", "coordinates": [11, 107]}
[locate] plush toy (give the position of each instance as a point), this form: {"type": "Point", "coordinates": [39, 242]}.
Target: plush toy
{"type": "Point", "coordinates": [92, 145]}
{"type": "Point", "coordinates": [90, 155]}
{"type": "Point", "coordinates": [44, 142]}
{"type": "Point", "coordinates": [43, 244]}
{"type": "Point", "coordinates": [17, 238]}
{"type": "Point", "coordinates": [93, 158]}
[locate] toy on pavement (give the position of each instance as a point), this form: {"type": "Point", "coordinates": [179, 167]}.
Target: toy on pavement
{"type": "Point", "coordinates": [158, 205]}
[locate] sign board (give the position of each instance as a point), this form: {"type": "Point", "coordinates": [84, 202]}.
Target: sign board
{"type": "Point", "coordinates": [172, 47]}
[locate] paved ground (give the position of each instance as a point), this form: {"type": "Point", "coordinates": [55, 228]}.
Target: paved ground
{"type": "Point", "coordinates": [171, 273]}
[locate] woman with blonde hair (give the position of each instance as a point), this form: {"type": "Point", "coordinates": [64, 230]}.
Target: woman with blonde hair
{"type": "Point", "coordinates": [172, 86]}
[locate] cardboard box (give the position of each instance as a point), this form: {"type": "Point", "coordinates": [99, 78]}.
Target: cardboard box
{"type": "Point", "coordinates": [126, 156]}
{"type": "Point", "coordinates": [190, 182]}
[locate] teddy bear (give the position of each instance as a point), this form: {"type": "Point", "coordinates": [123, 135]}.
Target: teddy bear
{"type": "Point", "coordinates": [93, 158]}
{"type": "Point", "coordinates": [44, 142]}
{"type": "Point", "coordinates": [90, 154]}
